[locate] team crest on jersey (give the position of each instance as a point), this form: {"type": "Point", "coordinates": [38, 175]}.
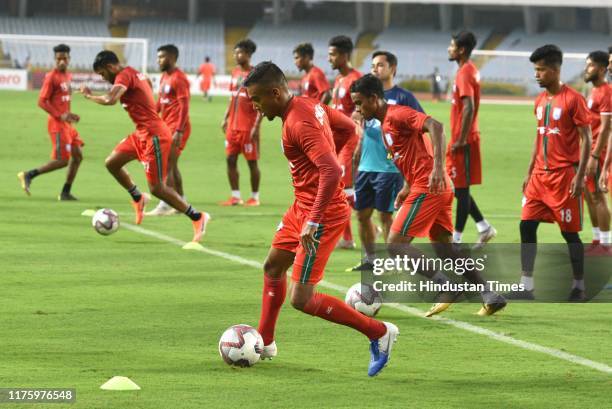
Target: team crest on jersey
{"type": "Point", "coordinates": [539, 113]}
{"type": "Point", "coordinates": [167, 88]}
{"type": "Point", "coordinates": [590, 103]}
{"type": "Point", "coordinates": [477, 76]}
{"type": "Point", "coordinates": [306, 86]}
{"type": "Point", "coordinates": [557, 113]}
{"type": "Point", "coordinates": [64, 86]}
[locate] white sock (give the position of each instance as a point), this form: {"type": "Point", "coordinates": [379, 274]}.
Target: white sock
{"type": "Point", "coordinates": [255, 195]}
{"type": "Point", "coordinates": [439, 278]}
{"type": "Point", "coordinates": [482, 226]}
{"type": "Point", "coordinates": [605, 237]}
{"type": "Point", "coordinates": [596, 233]}
{"type": "Point", "coordinates": [457, 236]}
{"type": "Point", "coordinates": [236, 194]}
{"type": "Point", "coordinates": [527, 282]}
{"type": "Point", "coordinates": [579, 284]}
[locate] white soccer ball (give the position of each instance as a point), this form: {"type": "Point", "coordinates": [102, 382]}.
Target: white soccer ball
{"type": "Point", "coordinates": [364, 298]}
{"type": "Point", "coordinates": [241, 345]}
{"type": "Point", "coordinates": [105, 221]}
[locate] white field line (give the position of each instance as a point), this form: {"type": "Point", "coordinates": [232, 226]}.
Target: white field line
{"type": "Point", "coordinates": [530, 346]}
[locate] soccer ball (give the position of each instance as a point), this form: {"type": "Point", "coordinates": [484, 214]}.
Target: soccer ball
{"type": "Point", "coordinates": [364, 298]}
{"type": "Point", "coordinates": [105, 221]}
{"type": "Point", "coordinates": [241, 345]}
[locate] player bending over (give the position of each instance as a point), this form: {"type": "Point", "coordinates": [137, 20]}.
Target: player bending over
{"type": "Point", "coordinates": [55, 100]}
{"type": "Point", "coordinates": [150, 143]}
{"type": "Point", "coordinates": [427, 197]}
{"type": "Point", "coordinates": [313, 224]}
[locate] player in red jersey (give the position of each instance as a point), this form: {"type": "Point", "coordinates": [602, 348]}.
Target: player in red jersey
{"type": "Point", "coordinates": [425, 202]}
{"type": "Point", "coordinates": [241, 125]}
{"type": "Point", "coordinates": [463, 162]}
{"type": "Point", "coordinates": [600, 104]}
{"type": "Point", "coordinates": [207, 73]}
{"type": "Point", "coordinates": [55, 100]}
{"type": "Point", "coordinates": [173, 105]}
{"type": "Point", "coordinates": [555, 178]}
{"type": "Point", "coordinates": [339, 55]}
{"type": "Point", "coordinates": [313, 224]}
{"type": "Point", "coordinates": [314, 84]}
{"type": "Point", "coordinates": [605, 181]}
{"type": "Point", "coordinates": [150, 143]}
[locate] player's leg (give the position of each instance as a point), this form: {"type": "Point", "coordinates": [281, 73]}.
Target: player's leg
{"type": "Point", "coordinates": [60, 155]}
{"type": "Point", "coordinates": [593, 213]}
{"type": "Point", "coordinates": [387, 186]}
{"type": "Point", "coordinates": [347, 241]}
{"type": "Point", "coordinates": [576, 252]}
{"type": "Point", "coordinates": [364, 205]}
{"type": "Point", "coordinates": [76, 157]}
{"type": "Point", "coordinates": [602, 217]}
{"type": "Point", "coordinates": [255, 179]}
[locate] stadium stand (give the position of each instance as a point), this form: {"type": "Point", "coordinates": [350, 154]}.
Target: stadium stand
{"type": "Point", "coordinates": [41, 55]}
{"type": "Point", "coordinates": [195, 41]}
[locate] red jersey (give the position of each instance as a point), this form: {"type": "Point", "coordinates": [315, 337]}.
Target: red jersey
{"type": "Point", "coordinates": [307, 134]}
{"type": "Point", "coordinates": [174, 99]}
{"type": "Point", "coordinates": [242, 115]}
{"type": "Point", "coordinates": [467, 84]}
{"type": "Point", "coordinates": [558, 140]}
{"type": "Point", "coordinates": [54, 96]}
{"type": "Point", "coordinates": [341, 95]}
{"type": "Point", "coordinates": [600, 103]}
{"type": "Point", "coordinates": [314, 83]}
{"type": "Point", "coordinates": [412, 152]}
{"type": "Point", "coordinates": [207, 70]}
{"type": "Point", "coordinates": [138, 101]}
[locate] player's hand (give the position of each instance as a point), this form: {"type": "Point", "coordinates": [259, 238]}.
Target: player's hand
{"type": "Point", "coordinates": [526, 182]}
{"type": "Point", "coordinates": [458, 145]}
{"type": "Point", "coordinates": [591, 169]}
{"type": "Point", "coordinates": [224, 126]}
{"type": "Point", "coordinates": [85, 91]}
{"type": "Point", "coordinates": [603, 180]}
{"type": "Point", "coordinates": [69, 117]}
{"type": "Point", "coordinates": [437, 181]}
{"type": "Point", "coordinates": [177, 138]}
{"type": "Point", "coordinates": [255, 135]}
{"type": "Point", "coordinates": [577, 186]}
{"type": "Point", "coordinates": [308, 240]}
{"type": "Point", "coordinates": [401, 196]}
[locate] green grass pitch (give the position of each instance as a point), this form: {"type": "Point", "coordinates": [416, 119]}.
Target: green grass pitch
{"type": "Point", "coordinates": [77, 308]}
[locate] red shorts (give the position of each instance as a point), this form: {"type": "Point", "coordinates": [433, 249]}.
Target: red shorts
{"type": "Point", "coordinates": [547, 199]}
{"type": "Point", "coordinates": [237, 142]}
{"type": "Point", "coordinates": [425, 214]}
{"type": "Point", "coordinates": [150, 150]}
{"type": "Point", "coordinates": [205, 84]}
{"type": "Point", "coordinates": [345, 159]}
{"type": "Point", "coordinates": [63, 137]}
{"type": "Point", "coordinates": [464, 166]}
{"type": "Point", "coordinates": [592, 182]}
{"type": "Point", "coordinates": [308, 269]}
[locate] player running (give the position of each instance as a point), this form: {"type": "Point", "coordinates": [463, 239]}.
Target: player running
{"type": "Point", "coordinates": [313, 224]}
{"type": "Point", "coordinates": [463, 162]}
{"type": "Point", "coordinates": [339, 55]}
{"type": "Point", "coordinates": [314, 84]}
{"type": "Point", "coordinates": [150, 144]}
{"type": "Point", "coordinates": [378, 180]}
{"type": "Point", "coordinates": [555, 177]}
{"type": "Point", "coordinates": [426, 198]}
{"type": "Point", "coordinates": [207, 73]}
{"type": "Point", "coordinates": [600, 104]}
{"type": "Point", "coordinates": [54, 98]}
{"type": "Point", "coordinates": [173, 104]}
{"type": "Point", "coordinates": [241, 127]}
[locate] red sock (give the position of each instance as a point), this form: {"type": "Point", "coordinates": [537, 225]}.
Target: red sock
{"type": "Point", "coordinates": [274, 291]}
{"type": "Point", "coordinates": [348, 233]}
{"type": "Point", "coordinates": [335, 310]}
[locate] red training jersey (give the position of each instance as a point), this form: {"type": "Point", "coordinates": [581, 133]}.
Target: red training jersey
{"type": "Point", "coordinates": [402, 133]}
{"type": "Point", "coordinates": [558, 140]}
{"type": "Point", "coordinates": [314, 83]}
{"type": "Point", "coordinates": [307, 134]}
{"type": "Point", "coordinates": [600, 103]}
{"type": "Point", "coordinates": [242, 115]}
{"type": "Point", "coordinates": [174, 99]}
{"type": "Point", "coordinates": [54, 96]}
{"type": "Point", "coordinates": [341, 95]}
{"type": "Point", "coordinates": [138, 101]}
{"type": "Point", "coordinates": [207, 70]}
{"type": "Point", "coordinates": [467, 84]}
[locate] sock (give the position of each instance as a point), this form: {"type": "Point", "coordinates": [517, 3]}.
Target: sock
{"type": "Point", "coordinates": [193, 214]}
{"type": "Point", "coordinates": [236, 194]}
{"type": "Point", "coordinates": [135, 193]}
{"type": "Point", "coordinates": [31, 174]}
{"type": "Point", "coordinates": [66, 188]}
{"type": "Point", "coordinates": [439, 278]}
{"type": "Point", "coordinates": [274, 292]}
{"type": "Point", "coordinates": [347, 235]}
{"type": "Point", "coordinates": [335, 310]}
{"type": "Point", "coordinates": [527, 282]}
{"type": "Point", "coordinates": [579, 284]}
{"type": "Point", "coordinates": [457, 236]}
{"type": "Point", "coordinates": [605, 237]}
{"type": "Point", "coordinates": [596, 235]}
{"type": "Point", "coordinates": [482, 226]}
{"type": "Point", "coordinates": [255, 195]}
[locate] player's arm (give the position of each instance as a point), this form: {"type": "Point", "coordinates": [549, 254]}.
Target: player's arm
{"type": "Point", "coordinates": [402, 195]}
{"type": "Point", "coordinates": [182, 94]}
{"type": "Point", "coordinates": [467, 118]}
{"type": "Point", "coordinates": [326, 97]}
{"type": "Point", "coordinates": [358, 121]}
{"type": "Point", "coordinates": [437, 178]}
{"type": "Point", "coordinates": [577, 185]}
{"type": "Point", "coordinates": [603, 179]}
{"type": "Point", "coordinates": [110, 98]}
{"type": "Point", "coordinates": [255, 131]}
{"type": "Point", "coordinates": [598, 150]}
{"type": "Point", "coordinates": [44, 102]}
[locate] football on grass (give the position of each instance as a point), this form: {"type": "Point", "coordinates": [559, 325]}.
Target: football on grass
{"type": "Point", "coordinates": [241, 345]}
{"type": "Point", "coordinates": [105, 221]}
{"type": "Point", "coordinates": [364, 299]}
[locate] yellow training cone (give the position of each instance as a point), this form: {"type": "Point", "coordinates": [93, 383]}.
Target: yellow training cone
{"type": "Point", "coordinates": [120, 383]}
